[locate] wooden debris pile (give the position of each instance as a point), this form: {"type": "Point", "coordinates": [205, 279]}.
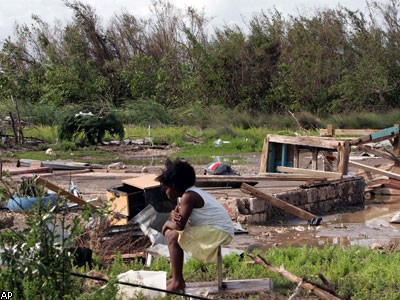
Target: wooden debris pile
{"type": "Point", "coordinates": [383, 179]}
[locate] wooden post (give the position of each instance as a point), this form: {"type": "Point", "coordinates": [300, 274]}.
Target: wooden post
{"type": "Point", "coordinates": [331, 130]}
{"type": "Point", "coordinates": [396, 150]}
{"type": "Point", "coordinates": [343, 158]}
{"type": "Point", "coordinates": [314, 153]}
{"type": "Point", "coordinates": [296, 157]}
{"type": "Point", "coordinates": [284, 154]}
{"type": "Point", "coordinates": [219, 268]}
{"type": "Point", "coordinates": [264, 156]}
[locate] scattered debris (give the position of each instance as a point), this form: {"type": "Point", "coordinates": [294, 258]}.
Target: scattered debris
{"type": "Point", "coordinates": [321, 291]}
{"type": "Point", "coordinates": [50, 151]}
{"type": "Point", "coordinates": [395, 218]}
{"type": "Point", "coordinates": [155, 279]}
{"type": "Point", "coordinates": [117, 166]}
{"type": "Point", "coordinates": [219, 168]}
{"type": "Point", "coordinates": [311, 218]}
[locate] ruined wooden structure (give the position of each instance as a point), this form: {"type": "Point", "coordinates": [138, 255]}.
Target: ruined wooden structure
{"type": "Point", "coordinates": [281, 153]}
{"type": "Point", "coordinates": [284, 151]}
{"type": "Point", "coordinates": [392, 134]}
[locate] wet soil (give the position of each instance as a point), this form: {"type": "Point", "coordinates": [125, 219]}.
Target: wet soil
{"type": "Point", "coordinates": [367, 225]}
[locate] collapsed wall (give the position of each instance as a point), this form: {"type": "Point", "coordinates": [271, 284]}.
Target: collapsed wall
{"type": "Point", "coordinates": [317, 199]}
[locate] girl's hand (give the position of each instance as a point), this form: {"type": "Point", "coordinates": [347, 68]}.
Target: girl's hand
{"type": "Point", "coordinates": [175, 216]}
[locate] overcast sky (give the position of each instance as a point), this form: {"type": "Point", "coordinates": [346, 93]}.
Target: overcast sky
{"type": "Point", "coordinates": [223, 11]}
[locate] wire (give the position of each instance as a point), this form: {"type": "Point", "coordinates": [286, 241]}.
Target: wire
{"type": "Point", "coordinates": [140, 286]}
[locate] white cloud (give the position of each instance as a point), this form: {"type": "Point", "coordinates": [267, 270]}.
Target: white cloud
{"type": "Point", "coordinates": [223, 11]}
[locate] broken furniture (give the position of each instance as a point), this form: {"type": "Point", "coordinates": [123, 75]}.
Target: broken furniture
{"type": "Point", "coordinates": [284, 151]}
{"type": "Point", "coordinates": [127, 200]}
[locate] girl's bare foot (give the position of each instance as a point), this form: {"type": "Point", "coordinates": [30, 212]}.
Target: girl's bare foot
{"type": "Point", "coordinates": [175, 285]}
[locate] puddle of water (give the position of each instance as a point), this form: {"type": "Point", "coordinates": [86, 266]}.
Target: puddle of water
{"type": "Point", "coordinates": [364, 227]}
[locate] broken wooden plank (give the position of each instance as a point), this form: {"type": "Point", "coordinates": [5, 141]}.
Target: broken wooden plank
{"type": "Point", "coordinates": [62, 192]}
{"type": "Point", "coordinates": [32, 170]}
{"type": "Point", "coordinates": [322, 174]}
{"type": "Point", "coordinates": [390, 183]}
{"type": "Point", "coordinates": [323, 294]}
{"type": "Point", "coordinates": [383, 154]}
{"type": "Point", "coordinates": [308, 141]}
{"type": "Point", "coordinates": [259, 177]}
{"type": "Point", "coordinates": [294, 210]}
{"type": "Point", "coordinates": [375, 170]}
{"type": "Point", "coordinates": [264, 156]}
{"type": "Point", "coordinates": [111, 171]}
{"type": "Point", "coordinates": [384, 134]}
{"type": "Point", "coordinates": [63, 173]}
{"type": "Point", "coordinates": [330, 131]}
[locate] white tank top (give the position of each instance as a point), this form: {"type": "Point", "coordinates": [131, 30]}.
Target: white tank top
{"type": "Point", "coordinates": [211, 214]}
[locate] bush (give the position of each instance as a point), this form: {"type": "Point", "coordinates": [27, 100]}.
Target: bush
{"type": "Point", "coordinates": [90, 128]}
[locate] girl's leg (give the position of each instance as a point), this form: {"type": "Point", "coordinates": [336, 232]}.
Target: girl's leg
{"type": "Point", "coordinates": [177, 282]}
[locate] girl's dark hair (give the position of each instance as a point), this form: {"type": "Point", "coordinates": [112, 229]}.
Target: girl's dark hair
{"type": "Point", "coordinates": [178, 174]}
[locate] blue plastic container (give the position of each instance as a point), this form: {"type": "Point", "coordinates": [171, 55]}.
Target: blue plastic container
{"type": "Point", "coordinates": [24, 203]}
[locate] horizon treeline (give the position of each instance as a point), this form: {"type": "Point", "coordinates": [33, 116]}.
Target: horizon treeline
{"type": "Point", "coordinates": [328, 62]}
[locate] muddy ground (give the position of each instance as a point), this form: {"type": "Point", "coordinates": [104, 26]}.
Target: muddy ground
{"type": "Point", "coordinates": [368, 225]}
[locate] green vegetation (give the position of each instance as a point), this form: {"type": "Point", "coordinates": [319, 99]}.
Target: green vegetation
{"type": "Point", "coordinates": [90, 128]}
{"type": "Point", "coordinates": [329, 61]}
{"type": "Point", "coordinates": [37, 261]}
{"type": "Point", "coordinates": [190, 89]}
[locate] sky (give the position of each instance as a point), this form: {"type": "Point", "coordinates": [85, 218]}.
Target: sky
{"type": "Point", "coordinates": [223, 12]}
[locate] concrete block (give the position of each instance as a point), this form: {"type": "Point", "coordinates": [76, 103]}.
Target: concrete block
{"type": "Point", "coordinates": [312, 195]}
{"type": "Point", "coordinates": [322, 193]}
{"type": "Point", "coordinates": [257, 205]}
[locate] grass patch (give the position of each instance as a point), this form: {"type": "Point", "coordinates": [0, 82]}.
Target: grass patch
{"type": "Point", "coordinates": [356, 272]}
{"type": "Point", "coordinates": [94, 156]}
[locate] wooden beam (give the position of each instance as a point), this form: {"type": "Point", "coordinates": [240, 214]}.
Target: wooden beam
{"type": "Point", "coordinates": [314, 155]}
{"type": "Point", "coordinates": [378, 136]}
{"type": "Point", "coordinates": [264, 156]}
{"type": "Point", "coordinates": [62, 192]}
{"type": "Point", "coordinates": [259, 177]}
{"type": "Point", "coordinates": [294, 210]}
{"type": "Point", "coordinates": [337, 132]}
{"type": "Point", "coordinates": [375, 170]}
{"type": "Point", "coordinates": [322, 174]}
{"type": "Point", "coordinates": [378, 152]}
{"type": "Point", "coordinates": [343, 158]}
{"type": "Point", "coordinates": [331, 130]}
{"type": "Point", "coordinates": [296, 156]}
{"type": "Point", "coordinates": [323, 294]}
{"type": "Point", "coordinates": [307, 141]}
{"type": "Point", "coordinates": [396, 150]}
